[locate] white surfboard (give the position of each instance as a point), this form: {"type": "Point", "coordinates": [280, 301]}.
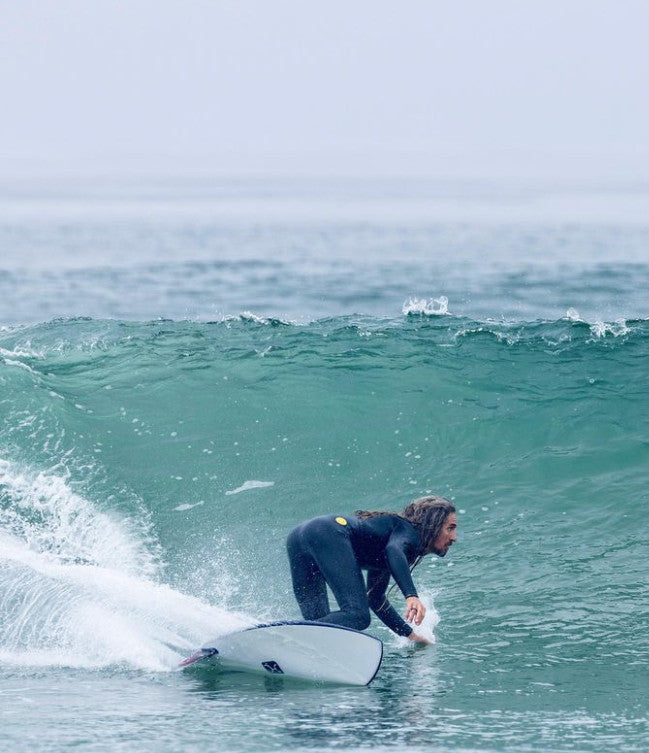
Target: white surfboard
{"type": "Point", "coordinates": [313, 651]}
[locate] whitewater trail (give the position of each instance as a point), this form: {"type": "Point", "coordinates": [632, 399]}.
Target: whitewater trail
{"type": "Point", "coordinates": [77, 587]}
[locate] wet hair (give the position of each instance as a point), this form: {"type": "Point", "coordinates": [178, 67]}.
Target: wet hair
{"type": "Point", "coordinates": [426, 514]}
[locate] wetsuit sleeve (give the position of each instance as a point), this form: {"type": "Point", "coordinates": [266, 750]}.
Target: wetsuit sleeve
{"type": "Point", "coordinates": [395, 554]}
{"type": "Point", "coordinates": [377, 583]}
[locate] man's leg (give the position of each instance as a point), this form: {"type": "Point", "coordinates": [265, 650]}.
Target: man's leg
{"type": "Point", "coordinates": [332, 551]}
{"type": "Point", "coordinates": [309, 584]}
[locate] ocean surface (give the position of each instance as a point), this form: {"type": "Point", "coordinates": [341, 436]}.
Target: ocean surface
{"type": "Point", "coordinates": [190, 368]}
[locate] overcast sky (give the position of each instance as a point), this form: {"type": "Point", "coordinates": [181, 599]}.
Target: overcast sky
{"type": "Point", "coordinates": [460, 87]}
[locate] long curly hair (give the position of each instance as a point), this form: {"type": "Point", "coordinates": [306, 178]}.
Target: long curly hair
{"type": "Point", "coordinates": [426, 514]}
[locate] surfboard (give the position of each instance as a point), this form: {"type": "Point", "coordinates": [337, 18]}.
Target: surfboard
{"type": "Point", "coordinates": [313, 651]}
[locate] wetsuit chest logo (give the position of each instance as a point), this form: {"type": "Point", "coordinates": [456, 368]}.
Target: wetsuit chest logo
{"type": "Point", "coordinates": [341, 521]}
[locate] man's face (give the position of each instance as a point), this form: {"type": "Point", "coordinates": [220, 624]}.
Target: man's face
{"type": "Point", "coordinates": [446, 536]}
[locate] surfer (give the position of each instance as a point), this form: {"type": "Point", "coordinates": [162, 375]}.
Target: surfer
{"type": "Point", "coordinates": [333, 550]}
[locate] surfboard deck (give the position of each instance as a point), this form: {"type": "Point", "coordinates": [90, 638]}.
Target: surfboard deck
{"type": "Point", "coordinates": [313, 651]}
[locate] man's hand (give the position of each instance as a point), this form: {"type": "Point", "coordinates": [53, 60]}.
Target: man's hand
{"type": "Point", "coordinates": [415, 610]}
{"type": "Point", "coordinates": [416, 638]}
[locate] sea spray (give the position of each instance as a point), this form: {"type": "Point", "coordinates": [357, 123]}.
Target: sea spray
{"type": "Point", "coordinates": [78, 588]}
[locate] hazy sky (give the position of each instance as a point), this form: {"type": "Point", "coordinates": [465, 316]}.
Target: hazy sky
{"type": "Point", "coordinates": [460, 87]}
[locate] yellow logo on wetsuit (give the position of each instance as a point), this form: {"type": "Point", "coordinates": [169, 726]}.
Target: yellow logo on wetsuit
{"type": "Point", "coordinates": [341, 521]}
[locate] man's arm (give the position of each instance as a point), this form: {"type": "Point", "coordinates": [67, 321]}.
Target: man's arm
{"type": "Point", "coordinates": [377, 583]}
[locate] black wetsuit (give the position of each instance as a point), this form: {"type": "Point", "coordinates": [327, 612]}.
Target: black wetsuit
{"type": "Point", "coordinates": [333, 550]}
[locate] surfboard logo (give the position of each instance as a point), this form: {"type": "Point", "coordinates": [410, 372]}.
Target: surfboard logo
{"type": "Point", "coordinates": [341, 521]}
{"type": "Point", "coordinates": [272, 667]}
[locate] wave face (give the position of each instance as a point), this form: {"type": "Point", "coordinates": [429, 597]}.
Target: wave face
{"type": "Point", "coordinates": [149, 472]}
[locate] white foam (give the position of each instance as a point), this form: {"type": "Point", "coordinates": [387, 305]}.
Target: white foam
{"type": "Point", "coordinates": [83, 615]}
{"type": "Point", "coordinates": [428, 625]}
{"type": "Point", "coordinates": [601, 329]}
{"type": "Point", "coordinates": [426, 306]}
{"type": "Point", "coordinates": [573, 315]}
{"type": "Point", "coordinates": [187, 506]}
{"type": "Point", "coordinates": [19, 364]}
{"type": "Point", "coordinates": [250, 485]}
{"type": "Point", "coordinates": [24, 352]}
{"type": "Point", "coordinates": [42, 510]}
{"type": "Point", "coordinates": [78, 587]}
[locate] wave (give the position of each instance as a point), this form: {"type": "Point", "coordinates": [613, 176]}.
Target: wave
{"type": "Point", "coordinates": [150, 470]}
